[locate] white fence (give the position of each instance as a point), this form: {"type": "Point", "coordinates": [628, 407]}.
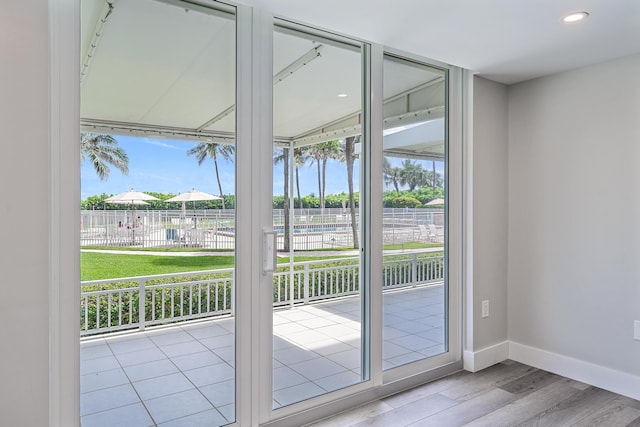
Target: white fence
{"type": "Point", "coordinates": [215, 229]}
{"type": "Point", "coordinates": [116, 304]}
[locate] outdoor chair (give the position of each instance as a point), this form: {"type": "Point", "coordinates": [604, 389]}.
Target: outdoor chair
{"type": "Point", "coordinates": [436, 235]}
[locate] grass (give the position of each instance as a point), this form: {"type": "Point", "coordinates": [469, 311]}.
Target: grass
{"type": "Point", "coordinates": [412, 245]}
{"type": "Point", "coordinates": [138, 249]}
{"type": "Point", "coordinates": [97, 266]}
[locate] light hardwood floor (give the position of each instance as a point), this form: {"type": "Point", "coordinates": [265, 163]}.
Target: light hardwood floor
{"type": "Point", "coordinates": [507, 394]}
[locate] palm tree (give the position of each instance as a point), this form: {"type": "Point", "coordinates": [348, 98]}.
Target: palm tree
{"type": "Point", "coordinates": [412, 175]}
{"type": "Point", "coordinates": [320, 154]}
{"type": "Point", "coordinates": [102, 150]}
{"type": "Point", "coordinates": [283, 157]}
{"type": "Point", "coordinates": [391, 174]}
{"type": "Point", "coordinates": [431, 182]}
{"type": "Point", "coordinates": [301, 158]}
{"type": "Point", "coordinates": [213, 150]}
{"type": "Point", "coordinates": [350, 157]}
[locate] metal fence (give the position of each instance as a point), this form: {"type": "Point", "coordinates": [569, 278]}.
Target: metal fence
{"type": "Point", "coordinates": [136, 302]}
{"type": "Point", "coordinates": [215, 229]}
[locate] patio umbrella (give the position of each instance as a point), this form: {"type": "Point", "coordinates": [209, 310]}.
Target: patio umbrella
{"type": "Point", "coordinates": [192, 196]}
{"type": "Point", "coordinates": [435, 202]}
{"type": "Point", "coordinates": [130, 196]}
{"type": "Point", "coordinates": [127, 202]}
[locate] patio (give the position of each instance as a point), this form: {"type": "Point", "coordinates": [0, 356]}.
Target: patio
{"type": "Point", "coordinates": [184, 374]}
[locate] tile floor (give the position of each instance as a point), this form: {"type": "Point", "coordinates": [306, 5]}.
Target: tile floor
{"type": "Point", "coordinates": [184, 375]}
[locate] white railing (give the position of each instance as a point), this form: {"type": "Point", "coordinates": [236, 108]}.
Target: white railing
{"type": "Point", "coordinates": [115, 304]}
{"type": "Point", "coordinates": [215, 229]}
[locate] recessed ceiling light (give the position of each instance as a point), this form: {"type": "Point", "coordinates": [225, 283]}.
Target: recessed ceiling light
{"type": "Point", "coordinates": [575, 17]}
{"type": "Point", "coordinates": [342, 95]}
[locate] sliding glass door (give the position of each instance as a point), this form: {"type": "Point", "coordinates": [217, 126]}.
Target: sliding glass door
{"type": "Point", "coordinates": [414, 176]}
{"type": "Point", "coordinates": [282, 269]}
{"type": "Point", "coordinates": [317, 315]}
{"type": "Point", "coordinates": [157, 302]}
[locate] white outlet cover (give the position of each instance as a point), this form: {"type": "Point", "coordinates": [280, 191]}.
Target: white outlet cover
{"type": "Point", "coordinates": [485, 308]}
{"type": "Point", "coordinates": [636, 329]}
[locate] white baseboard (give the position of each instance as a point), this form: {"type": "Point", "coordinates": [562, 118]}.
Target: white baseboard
{"type": "Point", "coordinates": [477, 360]}
{"type": "Point", "coordinates": [576, 369]}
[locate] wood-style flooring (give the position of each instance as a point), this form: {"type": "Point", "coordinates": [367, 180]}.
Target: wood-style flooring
{"type": "Point", "coordinates": [507, 394]}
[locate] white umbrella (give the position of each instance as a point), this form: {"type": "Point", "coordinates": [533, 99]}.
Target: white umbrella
{"type": "Point", "coordinates": [192, 196]}
{"type": "Point", "coordinates": [130, 196]}
{"type": "Point", "coordinates": [129, 202]}
{"type": "Point", "coordinates": [435, 202]}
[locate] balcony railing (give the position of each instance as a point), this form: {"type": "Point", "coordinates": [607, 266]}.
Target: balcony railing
{"type": "Point", "coordinates": [313, 229]}
{"type": "Point", "coordinates": [116, 304]}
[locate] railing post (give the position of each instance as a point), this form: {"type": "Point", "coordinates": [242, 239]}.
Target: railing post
{"type": "Point", "coordinates": [292, 279]}
{"type": "Point", "coordinates": [306, 284]}
{"type": "Point", "coordinates": [233, 293]}
{"type": "Point", "coordinates": [414, 269]}
{"type": "Point", "coordinates": [141, 305]}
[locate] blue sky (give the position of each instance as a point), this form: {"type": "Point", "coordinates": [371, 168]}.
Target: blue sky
{"type": "Point", "coordinates": [162, 165]}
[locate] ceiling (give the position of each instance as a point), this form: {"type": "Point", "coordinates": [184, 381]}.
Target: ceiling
{"type": "Point", "coordinates": [507, 41]}
{"type": "Point", "coordinates": [164, 71]}
{"type": "Point", "coordinates": [156, 69]}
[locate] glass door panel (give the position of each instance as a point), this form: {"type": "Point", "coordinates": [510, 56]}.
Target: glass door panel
{"type": "Point", "coordinates": [158, 329]}
{"type": "Point", "coordinates": [317, 321]}
{"type": "Point", "coordinates": [414, 213]}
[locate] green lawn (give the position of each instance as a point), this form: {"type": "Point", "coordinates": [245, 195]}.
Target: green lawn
{"type": "Point", "coordinates": [138, 249]}
{"type": "Point", "coordinates": [412, 245]}
{"type": "Point", "coordinates": [96, 266]}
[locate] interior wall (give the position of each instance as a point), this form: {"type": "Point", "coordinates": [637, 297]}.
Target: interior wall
{"type": "Point", "coordinates": [24, 307]}
{"type": "Point", "coordinates": [574, 214]}
{"type": "Point", "coordinates": [489, 212]}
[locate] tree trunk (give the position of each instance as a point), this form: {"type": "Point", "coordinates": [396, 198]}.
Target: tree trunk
{"type": "Point", "coordinates": [286, 207]}
{"type": "Point", "coordinates": [350, 158]}
{"type": "Point", "coordinates": [215, 163]}
{"type": "Point", "coordinates": [298, 188]}
{"type": "Point", "coordinates": [320, 188]}
{"type": "Point", "coordinates": [324, 182]}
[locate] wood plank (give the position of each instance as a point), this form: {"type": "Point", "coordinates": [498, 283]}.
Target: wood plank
{"type": "Point", "coordinates": [615, 414]}
{"type": "Point", "coordinates": [407, 414]}
{"type": "Point", "coordinates": [573, 409]}
{"type": "Point", "coordinates": [429, 389]}
{"type": "Point", "coordinates": [505, 395]}
{"type": "Point", "coordinates": [467, 411]}
{"type": "Point", "coordinates": [487, 379]}
{"type": "Point", "coordinates": [355, 416]}
{"type": "Point", "coordinates": [527, 405]}
{"type": "Point", "coordinates": [530, 382]}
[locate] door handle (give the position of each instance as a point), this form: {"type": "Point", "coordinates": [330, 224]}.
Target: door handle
{"type": "Point", "coordinates": [269, 251]}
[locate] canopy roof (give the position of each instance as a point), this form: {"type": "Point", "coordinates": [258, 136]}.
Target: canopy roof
{"type": "Point", "coordinates": [153, 68]}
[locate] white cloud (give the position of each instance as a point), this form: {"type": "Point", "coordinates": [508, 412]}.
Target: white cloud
{"type": "Point", "coordinates": [162, 144]}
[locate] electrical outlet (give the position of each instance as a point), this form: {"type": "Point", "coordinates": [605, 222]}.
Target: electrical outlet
{"type": "Point", "coordinates": [485, 308]}
{"type": "Point", "coordinates": [636, 329]}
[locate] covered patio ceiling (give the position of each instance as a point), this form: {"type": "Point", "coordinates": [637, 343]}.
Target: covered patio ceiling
{"type": "Point", "coordinates": [162, 69]}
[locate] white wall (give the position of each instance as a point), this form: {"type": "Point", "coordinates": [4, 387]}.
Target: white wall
{"type": "Point", "coordinates": [489, 212]}
{"type": "Point", "coordinates": [574, 215]}
{"type": "Point", "coordinates": [485, 338]}
{"type": "Point", "coordinates": [24, 163]}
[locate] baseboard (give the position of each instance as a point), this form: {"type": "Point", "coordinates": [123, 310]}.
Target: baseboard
{"type": "Point", "coordinates": [477, 360]}
{"type": "Point", "coordinates": [576, 369]}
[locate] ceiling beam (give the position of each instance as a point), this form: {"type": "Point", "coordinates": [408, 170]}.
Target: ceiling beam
{"type": "Point", "coordinates": [107, 9]}
{"type": "Point", "coordinates": [283, 74]}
